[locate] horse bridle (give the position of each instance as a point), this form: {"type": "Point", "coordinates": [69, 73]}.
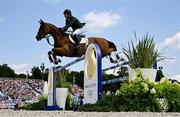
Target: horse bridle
{"type": "Point", "coordinates": [47, 38]}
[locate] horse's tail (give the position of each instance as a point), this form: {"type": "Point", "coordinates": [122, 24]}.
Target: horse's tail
{"type": "Point", "coordinates": [112, 45]}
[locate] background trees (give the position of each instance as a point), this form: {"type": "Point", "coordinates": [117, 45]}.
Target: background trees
{"type": "Point", "coordinates": [6, 71]}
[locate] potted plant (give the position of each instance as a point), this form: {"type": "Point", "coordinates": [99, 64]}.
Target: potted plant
{"type": "Point", "coordinates": [61, 89]}
{"type": "Point", "coordinates": [143, 55]}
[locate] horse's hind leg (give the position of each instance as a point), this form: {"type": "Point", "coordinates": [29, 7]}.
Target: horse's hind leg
{"type": "Point", "coordinates": [118, 57]}
{"type": "Point", "coordinates": [112, 60]}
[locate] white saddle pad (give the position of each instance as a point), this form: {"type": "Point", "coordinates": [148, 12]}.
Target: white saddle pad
{"type": "Point", "coordinates": [83, 40]}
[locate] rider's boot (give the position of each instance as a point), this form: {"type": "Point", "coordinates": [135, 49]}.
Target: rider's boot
{"type": "Point", "coordinates": [77, 40]}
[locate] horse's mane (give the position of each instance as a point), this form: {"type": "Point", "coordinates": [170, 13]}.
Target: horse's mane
{"type": "Point", "coordinates": [59, 29]}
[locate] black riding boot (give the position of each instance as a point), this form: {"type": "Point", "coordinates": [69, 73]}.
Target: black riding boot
{"type": "Point", "coordinates": [75, 38]}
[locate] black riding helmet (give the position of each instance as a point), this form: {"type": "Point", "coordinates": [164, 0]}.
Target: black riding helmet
{"type": "Point", "coordinates": [68, 11]}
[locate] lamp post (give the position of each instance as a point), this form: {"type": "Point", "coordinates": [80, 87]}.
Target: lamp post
{"type": "Point", "coordinates": [42, 70]}
{"type": "Point", "coordinates": [27, 74]}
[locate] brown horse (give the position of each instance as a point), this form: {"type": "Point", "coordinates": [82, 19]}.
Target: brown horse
{"type": "Point", "coordinates": [64, 47]}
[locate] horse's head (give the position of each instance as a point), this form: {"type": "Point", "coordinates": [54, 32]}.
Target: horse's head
{"type": "Point", "coordinates": [43, 30]}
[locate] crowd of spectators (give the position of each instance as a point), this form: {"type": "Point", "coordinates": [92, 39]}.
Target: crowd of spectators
{"type": "Point", "coordinates": [77, 90]}
{"type": "Point", "coordinates": [21, 90]}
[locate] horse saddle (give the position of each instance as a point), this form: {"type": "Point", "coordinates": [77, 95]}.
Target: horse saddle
{"type": "Point", "coordinates": [76, 38]}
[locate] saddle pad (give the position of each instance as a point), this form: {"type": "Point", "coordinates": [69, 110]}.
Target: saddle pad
{"type": "Point", "coordinates": [83, 40]}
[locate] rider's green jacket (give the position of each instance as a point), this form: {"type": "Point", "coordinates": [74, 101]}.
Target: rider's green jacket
{"type": "Point", "coordinates": [74, 23]}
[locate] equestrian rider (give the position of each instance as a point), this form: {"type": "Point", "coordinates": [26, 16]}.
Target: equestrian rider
{"type": "Point", "coordinates": [75, 24]}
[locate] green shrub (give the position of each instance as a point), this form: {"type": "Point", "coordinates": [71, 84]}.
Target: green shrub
{"type": "Point", "coordinates": [37, 105]}
{"type": "Point", "coordinates": [170, 92]}
{"type": "Point", "coordinates": [103, 105]}
{"type": "Point", "coordinates": [143, 54]}
{"type": "Point", "coordinates": [69, 102]}
{"type": "Point", "coordinates": [138, 94]}
{"type": "Point", "coordinates": [42, 103]}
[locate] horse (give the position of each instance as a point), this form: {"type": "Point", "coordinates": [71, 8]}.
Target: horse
{"type": "Point", "coordinates": [64, 47]}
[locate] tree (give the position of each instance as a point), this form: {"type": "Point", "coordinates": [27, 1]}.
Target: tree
{"type": "Point", "coordinates": [109, 87]}
{"type": "Point", "coordinates": [79, 79]}
{"type": "Point", "coordinates": [20, 76]}
{"type": "Point", "coordinates": [45, 78]}
{"type": "Point", "coordinates": [36, 73]}
{"type": "Point", "coordinates": [42, 70]}
{"type": "Point", "coordinates": [6, 71]}
{"type": "Point", "coordinates": [69, 76]}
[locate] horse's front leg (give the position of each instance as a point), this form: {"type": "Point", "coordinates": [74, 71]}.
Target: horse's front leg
{"type": "Point", "coordinates": [50, 57]}
{"type": "Point", "coordinates": [56, 61]}
{"type": "Point", "coordinates": [60, 52]}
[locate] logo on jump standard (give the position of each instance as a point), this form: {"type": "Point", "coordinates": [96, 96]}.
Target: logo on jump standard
{"type": "Point", "coordinates": [91, 64]}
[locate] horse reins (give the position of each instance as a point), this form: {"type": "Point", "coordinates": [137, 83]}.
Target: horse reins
{"type": "Point", "coordinates": [47, 38]}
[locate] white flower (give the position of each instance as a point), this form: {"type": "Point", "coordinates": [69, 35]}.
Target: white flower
{"type": "Point", "coordinates": [153, 91]}
{"type": "Point", "coordinates": [108, 93]}
{"type": "Point", "coordinates": [117, 92]}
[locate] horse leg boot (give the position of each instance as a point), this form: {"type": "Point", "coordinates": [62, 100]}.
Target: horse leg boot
{"type": "Point", "coordinates": [56, 61]}
{"type": "Point", "coordinates": [118, 57]}
{"type": "Point", "coordinates": [50, 57]}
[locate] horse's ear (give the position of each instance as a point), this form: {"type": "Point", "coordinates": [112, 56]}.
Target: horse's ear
{"type": "Point", "coordinates": [41, 21]}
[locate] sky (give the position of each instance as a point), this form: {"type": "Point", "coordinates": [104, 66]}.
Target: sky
{"type": "Point", "coordinates": [115, 20]}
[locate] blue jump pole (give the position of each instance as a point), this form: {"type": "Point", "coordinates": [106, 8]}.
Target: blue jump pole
{"type": "Point", "coordinates": [115, 66]}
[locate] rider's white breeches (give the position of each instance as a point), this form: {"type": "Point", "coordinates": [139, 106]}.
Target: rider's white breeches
{"type": "Point", "coordinates": [79, 31]}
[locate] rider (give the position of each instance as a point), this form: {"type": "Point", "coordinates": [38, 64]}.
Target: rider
{"type": "Point", "coordinates": [75, 24]}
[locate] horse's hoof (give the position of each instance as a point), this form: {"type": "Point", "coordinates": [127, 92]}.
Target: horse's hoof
{"type": "Point", "coordinates": [55, 62]}
{"type": "Point", "coordinates": [59, 60]}
{"type": "Point", "coordinates": [115, 62]}
{"type": "Point", "coordinates": [122, 59]}
{"type": "Point", "coordinates": [49, 53]}
{"type": "Point", "coordinates": [111, 60]}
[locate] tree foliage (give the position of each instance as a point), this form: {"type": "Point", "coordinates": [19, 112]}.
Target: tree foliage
{"type": "Point", "coordinates": [36, 73]}
{"type": "Point", "coordinates": [6, 71]}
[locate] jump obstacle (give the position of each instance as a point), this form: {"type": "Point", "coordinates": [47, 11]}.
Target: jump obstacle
{"type": "Point", "coordinates": [92, 76]}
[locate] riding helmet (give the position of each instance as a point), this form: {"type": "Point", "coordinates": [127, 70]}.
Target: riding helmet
{"type": "Point", "coordinates": [68, 11]}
